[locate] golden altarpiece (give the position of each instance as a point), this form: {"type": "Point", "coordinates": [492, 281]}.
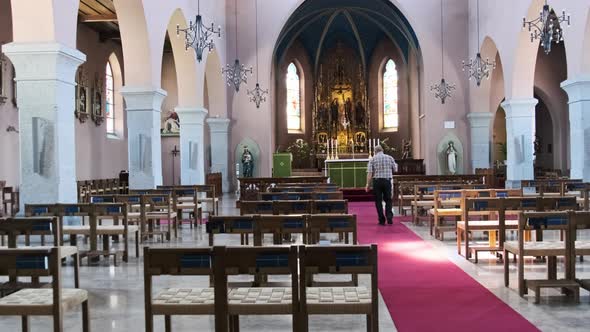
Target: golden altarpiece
{"type": "Point", "coordinates": [341, 118]}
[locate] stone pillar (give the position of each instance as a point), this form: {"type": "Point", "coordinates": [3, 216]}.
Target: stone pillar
{"type": "Point", "coordinates": [192, 149]}
{"type": "Point", "coordinates": [143, 106]}
{"type": "Point", "coordinates": [480, 139]}
{"type": "Point", "coordinates": [219, 130]}
{"type": "Point", "coordinates": [520, 132]}
{"type": "Point", "coordinates": [578, 91]}
{"type": "Point", "coordinates": [45, 75]}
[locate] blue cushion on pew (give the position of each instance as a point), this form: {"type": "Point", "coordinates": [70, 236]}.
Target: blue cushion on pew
{"type": "Point", "coordinates": [29, 262]}
{"type": "Point", "coordinates": [243, 224]}
{"type": "Point", "coordinates": [195, 261]}
{"type": "Point", "coordinates": [272, 260]}
{"type": "Point", "coordinates": [69, 209]}
{"type": "Point", "coordinates": [41, 210]}
{"type": "Point", "coordinates": [352, 259]}
{"type": "Point", "coordinates": [291, 223]}
{"type": "Point", "coordinates": [338, 223]}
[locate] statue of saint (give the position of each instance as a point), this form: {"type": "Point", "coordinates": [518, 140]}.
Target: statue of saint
{"type": "Point", "coordinates": [334, 112]}
{"type": "Point", "coordinates": [348, 110]}
{"type": "Point", "coordinates": [322, 116]}
{"type": "Point", "coordinates": [247, 163]}
{"type": "Point", "coordinates": [359, 115]}
{"type": "Point", "coordinates": [406, 149]}
{"type": "Point", "coordinates": [451, 158]}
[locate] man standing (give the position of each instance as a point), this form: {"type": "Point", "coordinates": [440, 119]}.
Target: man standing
{"type": "Point", "coordinates": [380, 171]}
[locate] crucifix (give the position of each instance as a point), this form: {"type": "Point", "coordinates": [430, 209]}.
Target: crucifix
{"type": "Point", "coordinates": [174, 152]}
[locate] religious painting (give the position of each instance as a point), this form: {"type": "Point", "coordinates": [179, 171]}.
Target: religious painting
{"type": "Point", "coordinates": [293, 98]}
{"type": "Point", "coordinates": [81, 111]}
{"type": "Point", "coordinates": [170, 124]}
{"type": "Point", "coordinates": [3, 96]}
{"type": "Point", "coordinates": [97, 116]}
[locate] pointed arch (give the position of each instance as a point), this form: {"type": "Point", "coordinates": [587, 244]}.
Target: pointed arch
{"type": "Point", "coordinates": [114, 99]}
{"type": "Point", "coordinates": [390, 114]}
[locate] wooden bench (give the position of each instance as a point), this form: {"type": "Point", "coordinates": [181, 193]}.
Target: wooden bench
{"type": "Point", "coordinates": [250, 187]}
{"type": "Point", "coordinates": [338, 300]}
{"type": "Point", "coordinates": [542, 221]}
{"type": "Point", "coordinates": [10, 201]}
{"type": "Point", "coordinates": [188, 300]}
{"type": "Point", "coordinates": [242, 225]}
{"type": "Point", "coordinates": [52, 301]}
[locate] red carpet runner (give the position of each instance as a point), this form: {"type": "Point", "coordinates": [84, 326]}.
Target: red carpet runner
{"type": "Point", "coordinates": [423, 290]}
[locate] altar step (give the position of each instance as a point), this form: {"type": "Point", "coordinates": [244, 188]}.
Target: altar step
{"type": "Point", "coordinates": [306, 172]}
{"type": "Point", "coordinates": [357, 195]}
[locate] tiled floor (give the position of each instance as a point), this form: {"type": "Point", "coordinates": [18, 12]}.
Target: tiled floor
{"type": "Point", "coordinates": [116, 295]}
{"type": "Point", "coordinates": [117, 301]}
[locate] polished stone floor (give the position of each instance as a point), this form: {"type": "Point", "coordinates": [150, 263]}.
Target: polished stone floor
{"type": "Point", "coordinates": [116, 294]}
{"type": "Point", "coordinates": [117, 301]}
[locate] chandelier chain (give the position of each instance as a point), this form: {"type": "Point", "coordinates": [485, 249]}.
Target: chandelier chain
{"type": "Point", "coordinates": [443, 89]}
{"type": "Point", "coordinates": [257, 95]}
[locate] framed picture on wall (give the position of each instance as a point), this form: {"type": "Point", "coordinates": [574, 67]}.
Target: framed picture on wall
{"type": "Point", "coordinates": [81, 111]}
{"type": "Point", "coordinates": [97, 114]}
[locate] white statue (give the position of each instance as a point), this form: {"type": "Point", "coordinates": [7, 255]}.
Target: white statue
{"type": "Point", "coordinates": [452, 158]}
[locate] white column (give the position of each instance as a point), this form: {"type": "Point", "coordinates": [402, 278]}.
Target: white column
{"type": "Point", "coordinates": [578, 91]}
{"type": "Point", "coordinates": [219, 130]}
{"type": "Point", "coordinates": [192, 148]}
{"type": "Point", "coordinates": [480, 139]}
{"type": "Point", "coordinates": [46, 100]}
{"type": "Point", "coordinates": [143, 106]}
{"type": "Point", "coordinates": [520, 132]}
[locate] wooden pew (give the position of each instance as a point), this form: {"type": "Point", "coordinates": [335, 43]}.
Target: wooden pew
{"type": "Point", "coordinates": [332, 300]}
{"type": "Point", "coordinates": [542, 221]}
{"type": "Point", "coordinates": [250, 187]}
{"type": "Point", "coordinates": [242, 225]}
{"type": "Point", "coordinates": [40, 301]}
{"type": "Point", "coordinates": [10, 197]}
{"type": "Point", "coordinates": [160, 262]}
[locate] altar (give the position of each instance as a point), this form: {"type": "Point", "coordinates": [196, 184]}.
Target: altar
{"type": "Point", "coordinates": [347, 173]}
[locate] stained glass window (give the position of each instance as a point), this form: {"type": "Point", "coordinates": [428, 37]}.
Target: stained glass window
{"type": "Point", "coordinates": [110, 100]}
{"type": "Point", "coordinates": [390, 114]}
{"type": "Point", "coordinates": [293, 99]}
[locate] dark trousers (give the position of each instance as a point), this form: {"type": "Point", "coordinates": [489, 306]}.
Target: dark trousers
{"type": "Point", "coordinates": [382, 190]}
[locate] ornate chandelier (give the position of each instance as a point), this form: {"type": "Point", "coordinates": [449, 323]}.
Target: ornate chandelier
{"type": "Point", "coordinates": [547, 27]}
{"type": "Point", "coordinates": [238, 73]}
{"type": "Point", "coordinates": [258, 95]}
{"type": "Point", "coordinates": [479, 69]}
{"type": "Point", "coordinates": [198, 36]}
{"type": "Point", "coordinates": [443, 89]}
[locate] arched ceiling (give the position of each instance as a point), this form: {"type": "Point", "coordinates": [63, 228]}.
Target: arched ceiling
{"type": "Point", "coordinates": [360, 24]}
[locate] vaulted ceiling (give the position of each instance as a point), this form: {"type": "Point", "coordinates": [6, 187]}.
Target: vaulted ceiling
{"type": "Point", "coordinates": [360, 24]}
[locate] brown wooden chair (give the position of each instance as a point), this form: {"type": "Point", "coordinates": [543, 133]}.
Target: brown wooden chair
{"type": "Point", "coordinates": [255, 300]}
{"type": "Point", "coordinates": [318, 224]}
{"type": "Point", "coordinates": [281, 227]}
{"type": "Point", "coordinates": [158, 208]}
{"type": "Point", "coordinates": [189, 300]}
{"type": "Point", "coordinates": [542, 221]}
{"type": "Point", "coordinates": [40, 301]}
{"type": "Point", "coordinates": [338, 300]}
{"type": "Point", "coordinates": [242, 225]}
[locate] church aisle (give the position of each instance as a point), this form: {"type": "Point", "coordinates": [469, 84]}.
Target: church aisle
{"type": "Point", "coordinates": [424, 290]}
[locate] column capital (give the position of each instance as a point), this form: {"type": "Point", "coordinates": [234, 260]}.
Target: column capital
{"type": "Point", "coordinates": [480, 119]}
{"type": "Point", "coordinates": [218, 125]}
{"type": "Point", "coordinates": [520, 108]}
{"type": "Point", "coordinates": [139, 98]}
{"type": "Point", "coordinates": [577, 88]}
{"type": "Point", "coordinates": [191, 115]}
{"type": "Point", "coordinates": [44, 61]}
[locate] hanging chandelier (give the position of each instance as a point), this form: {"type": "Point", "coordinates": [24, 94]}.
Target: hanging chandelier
{"type": "Point", "coordinates": [443, 89]}
{"type": "Point", "coordinates": [547, 27]}
{"type": "Point", "coordinates": [258, 95]}
{"type": "Point", "coordinates": [198, 36]}
{"type": "Point", "coordinates": [238, 73]}
{"type": "Point", "coordinates": [478, 68]}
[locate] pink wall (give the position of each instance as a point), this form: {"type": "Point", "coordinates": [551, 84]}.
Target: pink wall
{"type": "Point", "coordinates": [170, 85]}
{"type": "Point", "coordinates": [97, 155]}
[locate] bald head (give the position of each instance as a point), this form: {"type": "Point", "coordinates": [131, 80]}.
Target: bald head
{"type": "Point", "coordinates": [378, 149]}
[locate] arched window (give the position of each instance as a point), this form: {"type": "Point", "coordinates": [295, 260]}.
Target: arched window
{"type": "Point", "coordinates": [390, 114]}
{"type": "Point", "coordinates": [110, 100]}
{"type": "Point", "coordinates": [293, 98]}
